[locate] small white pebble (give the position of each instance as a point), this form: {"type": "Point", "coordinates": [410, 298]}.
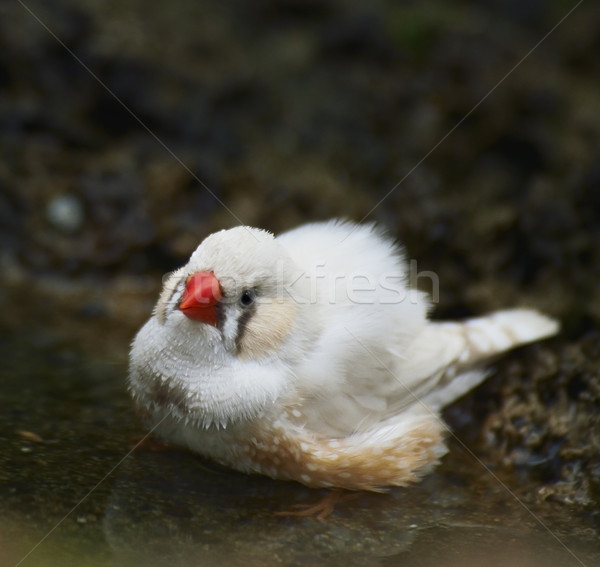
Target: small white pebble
{"type": "Point", "coordinates": [65, 213]}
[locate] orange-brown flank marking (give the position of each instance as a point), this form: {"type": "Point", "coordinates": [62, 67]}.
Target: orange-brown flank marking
{"type": "Point", "coordinates": [342, 463]}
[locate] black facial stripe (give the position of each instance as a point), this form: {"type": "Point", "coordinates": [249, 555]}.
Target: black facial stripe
{"type": "Point", "coordinates": [220, 316]}
{"type": "Point", "coordinates": [242, 322]}
{"type": "Point", "coordinates": [177, 291]}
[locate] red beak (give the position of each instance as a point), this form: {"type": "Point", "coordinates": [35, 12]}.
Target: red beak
{"type": "Point", "coordinates": [201, 297]}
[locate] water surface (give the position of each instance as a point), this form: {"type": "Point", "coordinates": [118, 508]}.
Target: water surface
{"type": "Point", "coordinates": [66, 481]}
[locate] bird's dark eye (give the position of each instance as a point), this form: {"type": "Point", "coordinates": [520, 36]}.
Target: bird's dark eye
{"type": "Point", "coordinates": [247, 298]}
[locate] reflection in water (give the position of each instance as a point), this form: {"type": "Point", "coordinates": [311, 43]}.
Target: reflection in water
{"type": "Point", "coordinates": [174, 507]}
{"type": "Point", "coordinates": [170, 507]}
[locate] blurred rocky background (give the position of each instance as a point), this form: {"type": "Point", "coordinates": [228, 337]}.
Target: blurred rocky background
{"type": "Point", "coordinates": [130, 130]}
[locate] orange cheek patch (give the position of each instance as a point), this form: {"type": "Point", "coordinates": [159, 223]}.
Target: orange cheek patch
{"type": "Point", "coordinates": [267, 329]}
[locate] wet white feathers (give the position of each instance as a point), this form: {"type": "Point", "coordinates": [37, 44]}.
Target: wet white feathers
{"type": "Point", "coordinates": [332, 377]}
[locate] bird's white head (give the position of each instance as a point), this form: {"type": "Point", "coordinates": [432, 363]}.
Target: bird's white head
{"type": "Point", "coordinates": [222, 331]}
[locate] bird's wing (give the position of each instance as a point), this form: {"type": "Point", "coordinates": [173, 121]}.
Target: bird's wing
{"type": "Point", "coordinates": [443, 362]}
{"type": "Point", "coordinates": [377, 353]}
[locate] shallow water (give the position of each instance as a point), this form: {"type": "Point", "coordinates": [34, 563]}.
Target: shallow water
{"type": "Point", "coordinates": [68, 487]}
{"type": "Point", "coordinates": [289, 112]}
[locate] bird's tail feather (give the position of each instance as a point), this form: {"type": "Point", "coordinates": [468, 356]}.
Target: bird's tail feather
{"type": "Point", "coordinates": [477, 340]}
{"type": "Point", "coordinates": [493, 334]}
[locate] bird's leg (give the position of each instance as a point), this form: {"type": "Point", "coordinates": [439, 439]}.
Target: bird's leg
{"type": "Point", "coordinates": [321, 509]}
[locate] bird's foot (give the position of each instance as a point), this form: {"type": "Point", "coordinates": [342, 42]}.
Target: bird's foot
{"type": "Point", "coordinates": [321, 509]}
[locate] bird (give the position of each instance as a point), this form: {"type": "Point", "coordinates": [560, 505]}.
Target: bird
{"type": "Point", "coordinates": [308, 357]}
